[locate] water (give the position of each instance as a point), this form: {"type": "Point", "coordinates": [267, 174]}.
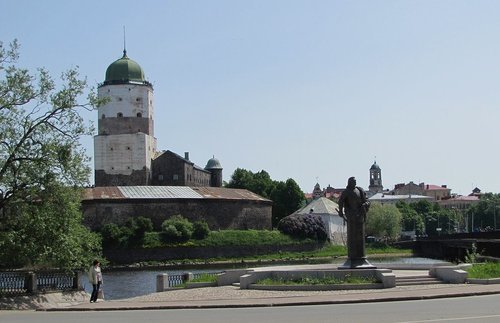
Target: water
{"type": "Point", "coordinates": [127, 284]}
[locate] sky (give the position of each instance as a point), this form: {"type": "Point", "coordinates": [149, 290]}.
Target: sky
{"type": "Point", "coordinates": [314, 90]}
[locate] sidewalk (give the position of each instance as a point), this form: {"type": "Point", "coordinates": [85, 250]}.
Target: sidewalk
{"type": "Point", "coordinates": [230, 296]}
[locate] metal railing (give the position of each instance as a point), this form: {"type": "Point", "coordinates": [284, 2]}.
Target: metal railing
{"type": "Point", "coordinates": [179, 279]}
{"type": "Point", "coordinates": [28, 282]}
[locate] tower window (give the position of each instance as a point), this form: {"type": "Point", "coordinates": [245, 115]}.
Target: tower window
{"type": "Point", "coordinates": [139, 115]}
{"type": "Point", "coordinates": [103, 116]}
{"type": "Point", "coordinates": [119, 115]}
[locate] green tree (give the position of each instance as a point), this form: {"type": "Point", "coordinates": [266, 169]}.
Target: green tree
{"type": "Point", "coordinates": [40, 155]}
{"type": "Point", "coordinates": [486, 213]}
{"type": "Point", "coordinates": [287, 198]}
{"type": "Point", "coordinates": [384, 221]}
{"type": "Point", "coordinates": [411, 220]}
{"type": "Point", "coordinates": [47, 231]}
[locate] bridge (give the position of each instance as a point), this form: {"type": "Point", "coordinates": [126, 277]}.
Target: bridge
{"type": "Point", "coordinates": [455, 247]}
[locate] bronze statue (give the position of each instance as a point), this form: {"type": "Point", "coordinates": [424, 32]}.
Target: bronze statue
{"type": "Point", "coordinates": [353, 206]}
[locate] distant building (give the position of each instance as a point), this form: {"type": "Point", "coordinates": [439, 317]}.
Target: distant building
{"type": "Point", "coordinates": [329, 192]}
{"type": "Point", "coordinates": [460, 203]}
{"type": "Point", "coordinates": [436, 192]}
{"type": "Point", "coordinates": [384, 198]}
{"type": "Point", "coordinates": [375, 180]}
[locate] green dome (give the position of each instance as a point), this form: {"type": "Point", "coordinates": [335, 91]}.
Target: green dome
{"type": "Point", "coordinates": [124, 70]}
{"type": "Point", "coordinates": [213, 163]}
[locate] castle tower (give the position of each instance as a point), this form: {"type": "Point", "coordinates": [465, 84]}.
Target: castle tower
{"type": "Point", "coordinates": [125, 143]}
{"type": "Point", "coordinates": [375, 179]}
{"type": "Point", "coordinates": [215, 169]}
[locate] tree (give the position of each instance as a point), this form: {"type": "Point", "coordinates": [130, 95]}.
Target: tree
{"type": "Point", "coordinates": [287, 196]}
{"type": "Point", "coordinates": [486, 213]}
{"type": "Point", "coordinates": [40, 155]}
{"type": "Point", "coordinates": [48, 232]}
{"type": "Point", "coordinates": [383, 221]}
{"type": "Point", "coordinates": [411, 220]}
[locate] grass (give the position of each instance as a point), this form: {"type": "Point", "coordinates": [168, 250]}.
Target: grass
{"type": "Point", "coordinates": [266, 237]}
{"type": "Point", "coordinates": [204, 278]}
{"type": "Point", "coordinates": [484, 270]}
{"type": "Point", "coordinates": [227, 238]}
{"type": "Point", "coordinates": [317, 281]}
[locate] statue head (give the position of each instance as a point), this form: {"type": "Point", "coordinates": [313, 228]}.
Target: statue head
{"type": "Point", "coordinates": [351, 182]}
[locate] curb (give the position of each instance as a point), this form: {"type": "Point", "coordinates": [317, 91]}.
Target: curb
{"type": "Point", "coordinates": [271, 304]}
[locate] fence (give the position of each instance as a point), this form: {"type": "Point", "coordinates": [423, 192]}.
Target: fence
{"type": "Point", "coordinates": [29, 282]}
{"type": "Point", "coordinates": [168, 281]}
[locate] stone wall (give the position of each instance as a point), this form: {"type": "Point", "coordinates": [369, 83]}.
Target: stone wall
{"type": "Point", "coordinates": [137, 177]}
{"type": "Point", "coordinates": [218, 213]}
{"type": "Point", "coordinates": [128, 256]}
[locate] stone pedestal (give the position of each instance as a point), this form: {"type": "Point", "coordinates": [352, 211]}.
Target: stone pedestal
{"type": "Point", "coordinates": [357, 263]}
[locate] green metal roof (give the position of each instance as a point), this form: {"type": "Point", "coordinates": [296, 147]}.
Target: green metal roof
{"type": "Point", "coordinates": [124, 70]}
{"type": "Point", "coordinates": [213, 163]}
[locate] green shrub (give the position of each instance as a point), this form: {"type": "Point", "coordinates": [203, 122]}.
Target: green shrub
{"type": "Point", "coordinates": [113, 236]}
{"type": "Point", "coordinates": [200, 230]}
{"type": "Point", "coordinates": [176, 229]}
{"type": "Point", "coordinates": [304, 226]}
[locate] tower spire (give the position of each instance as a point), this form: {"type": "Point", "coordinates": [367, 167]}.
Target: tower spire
{"type": "Point", "coordinates": [124, 43]}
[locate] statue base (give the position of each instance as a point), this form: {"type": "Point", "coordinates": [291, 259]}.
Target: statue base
{"type": "Point", "coordinates": [357, 263]}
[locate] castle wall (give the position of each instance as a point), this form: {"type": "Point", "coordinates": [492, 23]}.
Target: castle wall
{"type": "Point", "coordinates": [218, 213]}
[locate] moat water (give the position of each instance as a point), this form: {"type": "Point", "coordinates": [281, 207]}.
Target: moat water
{"type": "Point", "coordinates": [120, 284]}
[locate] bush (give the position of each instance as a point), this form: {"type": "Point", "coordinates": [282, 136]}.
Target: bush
{"type": "Point", "coordinates": [176, 229]}
{"type": "Point", "coordinates": [113, 235]}
{"type": "Point", "coordinates": [200, 230]}
{"type": "Point", "coordinates": [303, 226]}
{"type": "Point", "coordinates": [129, 235]}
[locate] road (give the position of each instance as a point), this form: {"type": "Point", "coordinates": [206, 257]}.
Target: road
{"type": "Point", "coordinates": [463, 309]}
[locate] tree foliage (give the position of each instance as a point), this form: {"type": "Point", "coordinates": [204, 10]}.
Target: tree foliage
{"type": "Point", "coordinates": [129, 235]}
{"type": "Point", "coordinates": [383, 221]}
{"type": "Point", "coordinates": [40, 154]}
{"type": "Point", "coordinates": [48, 232]}
{"type": "Point", "coordinates": [287, 196]}
{"type": "Point", "coordinates": [176, 229]}
{"type": "Point", "coordinates": [485, 215]}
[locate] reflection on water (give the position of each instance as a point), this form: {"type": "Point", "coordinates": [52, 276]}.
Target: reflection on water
{"type": "Point", "coordinates": [126, 284]}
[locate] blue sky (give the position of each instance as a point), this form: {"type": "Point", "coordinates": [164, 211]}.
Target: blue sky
{"type": "Point", "coordinates": [310, 90]}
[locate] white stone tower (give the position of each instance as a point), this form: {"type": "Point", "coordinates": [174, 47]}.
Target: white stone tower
{"type": "Point", "coordinates": [125, 143]}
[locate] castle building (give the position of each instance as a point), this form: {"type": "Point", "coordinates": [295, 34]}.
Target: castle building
{"type": "Point", "coordinates": [125, 147]}
{"type": "Point", "coordinates": [133, 178]}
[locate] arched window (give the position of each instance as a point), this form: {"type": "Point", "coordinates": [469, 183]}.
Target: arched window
{"type": "Point", "coordinates": [103, 116]}
{"type": "Point", "coordinates": [119, 115]}
{"type": "Point", "coordinates": [139, 115]}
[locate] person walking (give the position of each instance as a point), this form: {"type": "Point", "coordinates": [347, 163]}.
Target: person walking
{"type": "Point", "coordinates": [95, 278]}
